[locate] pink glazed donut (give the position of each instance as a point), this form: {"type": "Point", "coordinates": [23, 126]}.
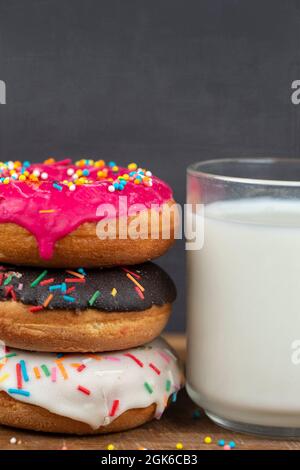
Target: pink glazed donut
{"type": "Point", "coordinates": [89, 214]}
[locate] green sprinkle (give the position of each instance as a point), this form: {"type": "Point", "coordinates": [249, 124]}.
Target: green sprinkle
{"type": "Point", "coordinates": [94, 297]}
{"type": "Point", "coordinates": [168, 385]}
{"type": "Point", "coordinates": [39, 278]}
{"type": "Point", "coordinates": [148, 387]}
{"type": "Point", "coordinates": [8, 355]}
{"type": "Point", "coordinates": [45, 370]}
{"type": "Point", "coordinates": [7, 280]}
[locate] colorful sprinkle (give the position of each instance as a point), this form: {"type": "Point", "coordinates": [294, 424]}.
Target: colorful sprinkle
{"type": "Point", "coordinates": [46, 281]}
{"type": "Point", "coordinates": [47, 211]}
{"type": "Point", "coordinates": [39, 278]}
{"type": "Point", "coordinates": [110, 447]}
{"type": "Point", "coordinates": [179, 446]}
{"type": "Point", "coordinates": [19, 376]}
{"type": "Point", "coordinates": [114, 292]}
{"type": "Point", "coordinates": [114, 408]}
{"type": "Point", "coordinates": [221, 443]}
{"type": "Point", "coordinates": [74, 279]}
{"type": "Point", "coordinates": [3, 377]}
{"type": "Point", "coordinates": [139, 292]}
{"type": "Point", "coordinates": [36, 308]}
{"type": "Point", "coordinates": [15, 391]}
{"type": "Point", "coordinates": [68, 298]}
{"type": "Point", "coordinates": [137, 276]}
{"type": "Point", "coordinates": [62, 369]}
{"type": "Point", "coordinates": [232, 444]}
{"type": "Point", "coordinates": [81, 368]}
{"type": "Point", "coordinates": [48, 300]}
{"type": "Point", "coordinates": [148, 387]}
{"type": "Point", "coordinates": [45, 370]}
{"type": "Point", "coordinates": [168, 385]}
{"type": "Point", "coordinates": [153, 367]}
{"type": "Point", "coordinates": [24, 370]}
{"type": "Point", "coordinates": [134, 358]}
{"type": "Point", "coordinates": [94, 297]}
{"type": "Point", "coordinates": [227, 447]}
{"type": "Point", "coordinates": [207, 440]}
{"type": "Point", "coordinates": [135, 282]}
{"type": "Point", "coordinates": [74, 273]}
{"type": "Point", "coordinates": [37, 372]}
{"type": "Point", "coordinates": [53, 374]}
{"type": "Point", "coordinates": [8, 280]}
{"type": "Point", "coordinates": [84, 390]}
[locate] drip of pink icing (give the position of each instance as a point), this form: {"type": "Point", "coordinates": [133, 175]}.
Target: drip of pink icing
{"type": "Point", "coordinates": [21, 202]}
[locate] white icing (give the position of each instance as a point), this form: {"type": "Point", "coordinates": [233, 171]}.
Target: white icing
{"type": "Point", "coordinates": [113, 377]}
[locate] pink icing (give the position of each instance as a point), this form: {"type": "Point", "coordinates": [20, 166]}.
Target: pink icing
{"type": "Point", "coordinates": [21, 202]}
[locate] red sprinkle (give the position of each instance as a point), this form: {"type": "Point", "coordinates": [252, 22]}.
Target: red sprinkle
{"type": "Point", "coordinates": [13, 294]}
{"type": "Point", "coordinates": [8, 290]}
{"type": "Point", "coordinates": [47, 281]}
{"type": "Point", "coordinates": [114, 408]}
{"type": "Point", "coordinates": [135, 359]}
{"type": "Point", "coordinates": [36, 308]}
{"type": "Point", "coordinates": [80, 368]}
{"type": "Point", "coordinates": [140, 293]}
{"type": "Point", "coordinates": [1, 278]}
{"type": "Point", "coordinates": [84, 390]}
{"type": "Point", "coordinates": [70, 289]}
{"type": "Point", "coordinates": [154, 368]}
{"type": "Point", "coordinates": [137, 276]}
{"type": "Point", "coordinates": [74, 279]}
{"type": "Point", "coordinates": [19, 376]}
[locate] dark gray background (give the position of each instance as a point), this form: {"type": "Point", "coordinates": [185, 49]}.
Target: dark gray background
{"type": "Point", "coordinates": [160, 82]}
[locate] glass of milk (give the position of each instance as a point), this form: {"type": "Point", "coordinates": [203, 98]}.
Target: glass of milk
{"type": "Point", "coordinates": [243, 362]}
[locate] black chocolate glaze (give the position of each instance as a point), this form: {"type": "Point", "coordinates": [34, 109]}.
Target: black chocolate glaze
{"type": "Point", "coordinates": [159, 288]}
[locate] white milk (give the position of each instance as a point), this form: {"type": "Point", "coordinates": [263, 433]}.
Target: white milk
{"type": "Point", "coordinates": [244, 313]}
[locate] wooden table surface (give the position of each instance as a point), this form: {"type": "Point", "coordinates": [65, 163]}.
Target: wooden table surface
{"type": "Point", "coordinates": [177, 425]}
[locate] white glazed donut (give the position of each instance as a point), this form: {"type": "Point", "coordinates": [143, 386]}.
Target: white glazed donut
{"type": "Point", "coordinates": [87, 393]}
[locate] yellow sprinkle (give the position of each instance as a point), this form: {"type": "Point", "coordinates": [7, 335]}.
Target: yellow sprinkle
{"type": "Point", "coordinates": [114, 292]}
{"type": "Point", "coordinates": [6, 181]}
{"type": "Point", "coordinates": [208, 440]}
{"type": "Point", "coordinates": [22, 178]}
{"type": "Point", "coordinates": [100, 163]}
{"type": "Point", "coordinates": [110, 447]}
{"type": "Point", "coordinates": [179, 445]}
{"type": "Point", "coordinates": [4, 377]}
{"type": "Point", "coordinates": [132, 166]}
{"type": "Point", "coordinates": [115, 168]}
{"type": "Point", "coordinates": [136, 181]}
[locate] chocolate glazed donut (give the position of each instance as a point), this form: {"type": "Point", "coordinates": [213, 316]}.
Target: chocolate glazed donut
{"type": "Point", "coordinates": [83, 310]}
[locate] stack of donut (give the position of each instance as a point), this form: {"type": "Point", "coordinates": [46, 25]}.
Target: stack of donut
{"type": "Point", "coordinates": [81, 305]}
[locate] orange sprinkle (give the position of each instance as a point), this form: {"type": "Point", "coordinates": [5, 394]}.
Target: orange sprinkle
{"type": "Point", "coordinates": [47, 211]}
{"type": "Point", "coordinates": [48, 300]}
{"type": "Point", "coordinates": [73, 273]}
{"type": "Point", "coordinates": [76, 365]}
{"type": "Point", "coordinates": [135, 282]}
{"type": "Point", "coordinates": [62, 370]}
{"type": "Point", "coordinates": [37, 372]}
{"type": "Point", "coordinates": [95, 356]}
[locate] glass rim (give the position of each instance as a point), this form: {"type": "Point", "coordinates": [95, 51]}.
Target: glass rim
{"type": "Point", "coordinates": [195, 169]}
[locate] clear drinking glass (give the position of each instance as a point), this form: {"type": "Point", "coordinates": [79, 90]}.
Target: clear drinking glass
{"type": "Point", "coordinates": [243, 361]}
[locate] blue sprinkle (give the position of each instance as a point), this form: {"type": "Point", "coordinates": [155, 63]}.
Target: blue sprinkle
{"type": "Point", "coordinates": [232, 444]}
{"type": "Point", "coordinates": [221, 443]}
{"type": "Point", "coordinates": [26, 163]}
{"type": "Point", "coordinates": [58, 355]}
{"type": "Point", "coordinates": [15, 391]}
{"type": "Point", "coordinates": [57, 186]}
{"type": "Point", "coordinates": [111, 164]}
{"type": "Point", "coordinates": [81, 271]}
{"type": "Point", "coordinates": [24, 370]}
{"type": "Point", "coordinates": [68, 298]}
{"type": "Point", "coordinates": [174, 397]}
{"type": "Point", "coordinates": [57, 286]}
{"type": "Point", "coordinates": [196, 414]}
{"type": "Point", "coordinates": [64, 287]}
{"type": "Point", "coordinates": [85, 172]}
{"type": "Point", "coordinates": [132, 173]}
